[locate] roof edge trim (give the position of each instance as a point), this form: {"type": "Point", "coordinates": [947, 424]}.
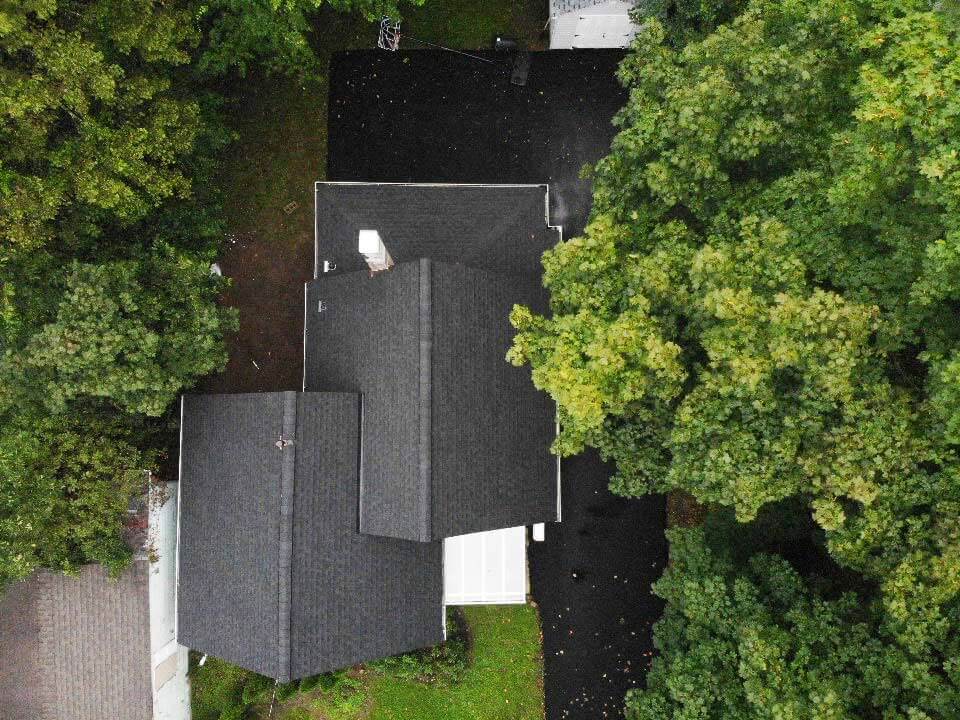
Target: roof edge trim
{"type": "Point", "coordinates": [176, 549]}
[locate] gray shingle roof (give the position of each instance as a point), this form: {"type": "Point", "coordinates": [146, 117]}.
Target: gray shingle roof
{"type": "Point", "coordinates": [273, 575]}
{"type": "Point", "coordinates": [80, 646]}
{"type": "Point", "coordinates": [501, 228]}
{"type": "Point", "coordinates": [455, 440]}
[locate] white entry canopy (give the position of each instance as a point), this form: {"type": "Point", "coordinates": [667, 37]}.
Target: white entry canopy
{"type": "Point", "coordinates": [486, 568]}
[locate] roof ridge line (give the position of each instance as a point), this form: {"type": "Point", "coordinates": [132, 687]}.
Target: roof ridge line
{"type": "Point", "coordinates": [287, 447]}
{"type": "Point", "coordinates": [425, 409]}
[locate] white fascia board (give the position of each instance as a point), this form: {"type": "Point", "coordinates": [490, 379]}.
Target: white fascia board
{"type": "Point", "coordinates": [303, 383]}
{"type": "Point", "coordinates": [176, 570]}
{"type": "Point", "coordinates": [169, 660]}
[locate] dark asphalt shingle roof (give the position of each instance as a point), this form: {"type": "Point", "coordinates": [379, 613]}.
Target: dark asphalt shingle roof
{"type": "Point", "coordinates": [229, 528]}
{"type": "Point", "coordinates": [273, 575]}
{"type": "Point", "coordinates": [77, 648]}
{"type": "Point", "coordinates": [455, 440]}
{"type": "Point", "coordinates": [501, 228]}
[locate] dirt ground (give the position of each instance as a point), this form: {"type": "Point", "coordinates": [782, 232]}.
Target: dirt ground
{"type": "Point", "coordinates": [269, 177]}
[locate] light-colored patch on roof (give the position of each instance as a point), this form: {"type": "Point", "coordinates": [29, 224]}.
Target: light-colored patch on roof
{"type": "Point", "coordinates": [559, 7]}
{"type": "Point", "coordinates": [91, 640]}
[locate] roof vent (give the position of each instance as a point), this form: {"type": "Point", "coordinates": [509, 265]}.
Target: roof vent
{"type": "Point", "coordinates": [372, 248]}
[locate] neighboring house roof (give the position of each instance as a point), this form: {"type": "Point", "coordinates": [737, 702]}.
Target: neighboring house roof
{"type": "Point", "coordinates": [273, 575]}
{"type": "Point", "coordinates": [565, 6]}
{"type": "Point", "coordinates": [499, 228]}
{"type": "Point", "coordinates": [76, 648]}
{"type": "Point", "coordinates": [455, 439]}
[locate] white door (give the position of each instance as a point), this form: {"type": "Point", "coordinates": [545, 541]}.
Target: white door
{"type": "Point", "coordinates": [487, 568]}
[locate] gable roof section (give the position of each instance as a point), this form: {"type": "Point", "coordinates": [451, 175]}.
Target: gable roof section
{"type": "Point", "coordinates": [80, 646]}
{"type": "Point", "coordinates": [455, 440]}
{"type": "Point", "coordinates": [229, 528]}
{"type": "Point", "coordinates": [368, 340]}
{"type": "Point", "coordinates": [501, 228]}
{"type": "Point", "coordinates": [269, 541]}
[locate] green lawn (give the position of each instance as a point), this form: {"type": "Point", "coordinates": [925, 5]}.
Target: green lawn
{"type": "Point", "coordinates": [474, 24]}
{"type": "Point", "coordinates": [215, 688]}
{"type": "Point", "coordinates": [504, 681]}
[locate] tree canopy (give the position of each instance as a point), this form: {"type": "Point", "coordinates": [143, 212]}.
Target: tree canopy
{"type": "Point", "coordinates": [68, 481]}
{"type": "Point", "coordinates": [755, 641]}
{"type": "Point", "coordinates": [272, 34]}
{"type": "Point", "coordinates": [766, 301]}
{"type": "Point", "coordinates": [110, 132]}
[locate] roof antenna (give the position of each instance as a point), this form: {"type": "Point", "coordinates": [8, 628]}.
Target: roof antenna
{"type": "Point", "coordinates": [390, 40]}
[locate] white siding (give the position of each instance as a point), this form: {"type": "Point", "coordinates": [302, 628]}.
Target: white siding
{"type": "Point", "coordinates": [171, 688]}
{"type": "Point", "coordinates": [488, 568]}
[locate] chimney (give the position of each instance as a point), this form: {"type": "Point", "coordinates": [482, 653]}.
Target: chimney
{"type": "Point", "coordinates": [372, 248]}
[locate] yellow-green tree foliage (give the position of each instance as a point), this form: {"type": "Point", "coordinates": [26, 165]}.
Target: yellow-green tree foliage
{"type": "Point", "coordinates": [766, 301]}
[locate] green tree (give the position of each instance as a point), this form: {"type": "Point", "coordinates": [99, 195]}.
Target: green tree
{"type": "Point", "coordinates": [92, 132]}
{"type": "Point", "coordinates": [688, 20]}
{"type": "Point", "coordinates": [65, 489]}
{"type": "Point", "coordinates": [107, 228]}
{"type": "Point", "coordinates": [755, 641]}
{"type": "Point", "coordinates": [131, 332]}
{"type": "Point", "coordinates": [271, 34]}
{"type": "Point", "coordinates": [766, 302]}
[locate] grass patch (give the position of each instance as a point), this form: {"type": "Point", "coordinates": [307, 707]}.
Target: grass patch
{"type": "Point", "coordinates": [453, 23]}
{"type": "Point", "coordinates": [473, 25]}
{"type": "Point", "coordinates": [504, 680]}
{"type": "Point", "coordinates": [215, 688]}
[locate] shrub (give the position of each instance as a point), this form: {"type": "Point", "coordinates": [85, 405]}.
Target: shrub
{"type": "Point", "coordinates": [444, 664]}
{"type": "Point", "coordinates": [65, 492]}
